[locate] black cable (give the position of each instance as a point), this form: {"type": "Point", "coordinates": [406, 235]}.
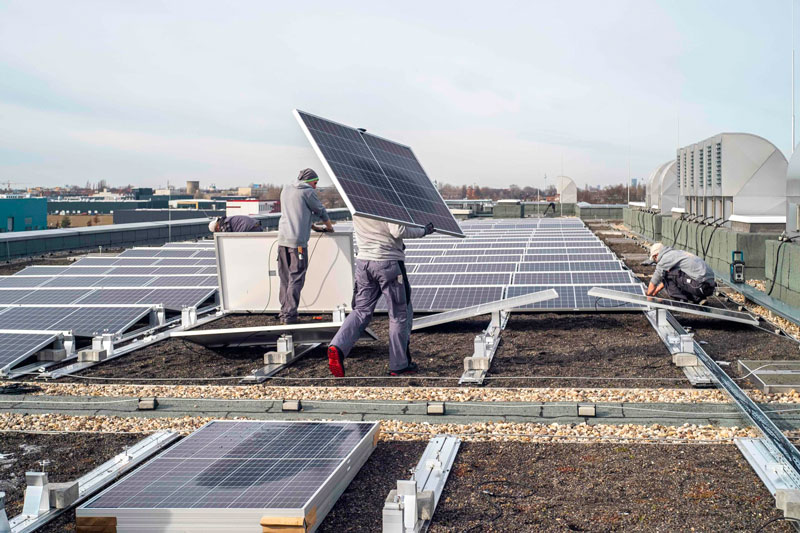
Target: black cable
{"type": "Point", "coordinates": [775, 266]}
{"type": "Point", "coordinates": [711, 238]}
{"type": "Point", "coordinates": [777, 519]}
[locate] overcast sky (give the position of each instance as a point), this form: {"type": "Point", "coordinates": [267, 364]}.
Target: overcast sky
{"type": "Point", "coordinates": [492, 93]}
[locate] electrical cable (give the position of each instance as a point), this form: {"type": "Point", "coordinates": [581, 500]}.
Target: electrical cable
{"type": "Point", "coordinates": [711, 238]}
{"type": "Point", "coordinates": [777, 519]}
{"type": "Point", "coordinates": [775, 266]}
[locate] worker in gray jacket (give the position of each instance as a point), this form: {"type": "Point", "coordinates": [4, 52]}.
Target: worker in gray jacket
{"type": "Point", "coordinates": [380, 270]}
{"type": "Point", "coordinates": [299, 205]}
{"type": "Point", "coordinates": [686, 277]}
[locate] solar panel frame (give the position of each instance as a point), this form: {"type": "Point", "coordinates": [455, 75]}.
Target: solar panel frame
{"type": "Point", "coordinates": [228, 475]}
{"type": "Point", "coordinates": [16, 347]}
{"type": "Point", "coordinates": [381, 182]}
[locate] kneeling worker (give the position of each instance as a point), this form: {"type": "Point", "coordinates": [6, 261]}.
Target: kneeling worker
{"type": "Point", "coordinates": [380, 269]}
{"type": "Point", "coordinates": [686, 277]}
{"type": "Point", "coordinates": [299, 204]}
{"type": "Point", "coordinates": [235, 224]}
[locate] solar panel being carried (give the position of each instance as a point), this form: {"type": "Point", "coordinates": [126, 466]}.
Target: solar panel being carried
{"type": "Point", "coordinates": [240, 476]}
{"type": "Point", "coordinates": [377, 178]}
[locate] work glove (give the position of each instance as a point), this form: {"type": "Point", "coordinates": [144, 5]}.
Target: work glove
{"type": "Point", "coordinates": [429, 228]}
{"type": "Point", "coordinates": [319, 229]}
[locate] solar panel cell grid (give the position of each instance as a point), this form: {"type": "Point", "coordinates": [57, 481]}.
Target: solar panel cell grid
{"type": "Point", "coordinates": [14, 346]}
{"type": "Point", "coordinates": [378, 177]}
{"type": "Point", "coordinates": [266, 465]}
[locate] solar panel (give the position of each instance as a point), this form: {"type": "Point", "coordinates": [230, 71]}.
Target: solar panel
{"type": "Point", "coordinates": [72, 281]}
{"type": "Point", "coordinates": [457, 298]}
{"type": "Point", "coordinates": [91, 321]}
{"type": "Point", "coordinates": [83, 321]}
{"type": "Point", "coordinates": [41, 271]}
{"type": "Point", "coordinates": [22, 281]}
{"type": "Point", "coordinates": [52, 296]}
{"type": "Point", "coordinates": [116, 296]}
{"type": "Point", "coordinates": [182, 281]}
{"type": "Point", "coordinates": [9, 297]}
{"type": "Point", "coordinates": [32, 318]}
{"type": "Point", "coordinates": [376, 177]}
{"type": "Point", "coordinates": [15, 347]}
{"type": "Point", "coordinates": [228, 475]}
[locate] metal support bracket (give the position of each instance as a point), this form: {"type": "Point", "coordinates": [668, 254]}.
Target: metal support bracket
{"type": "Point", "coordinates": [477, 366]}
{"type": "Point", "coordinates": [339, 314]}
{"type": "Point", "coordinates": [410, 508]}
{"type": "Point", "coordinates": [188, 317]}
{"type": "Point", "coordinates": [681, 345]}
{"type": "Point", "coordinates": [276, 361]}
{"type": "Point", "coordinates": [88, 484]}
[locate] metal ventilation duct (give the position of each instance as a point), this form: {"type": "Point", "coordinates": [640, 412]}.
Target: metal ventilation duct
{"type": "Point", "coordinates": [733, 175]}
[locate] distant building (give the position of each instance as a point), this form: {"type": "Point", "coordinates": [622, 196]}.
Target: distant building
{"type": "Point", "coordinates": [192, 187]}
{"type": "Point", "coordinates": [21, 213]}
{"type": "Point", "coordinates": [249, 207]}
{"type": "Point", "coordinates": [253, 190]}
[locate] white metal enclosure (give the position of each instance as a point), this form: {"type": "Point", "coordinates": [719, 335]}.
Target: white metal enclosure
{"type": "Point", "coordinates": [247, 266]}
{"type": "Point", "coordinates": [733, 174]}
{"type": "Point", "coordinates": [567, 190]}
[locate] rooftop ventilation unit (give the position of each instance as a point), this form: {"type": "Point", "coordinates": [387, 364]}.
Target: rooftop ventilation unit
{"type": "Point", "coordinates": [793, 196]}
{"type": "Point", "coordinates": [567, 190]}
{"type": "Point", "coordinates": [735, 175]}
{"type": "Point", "coordinates": [663, 192]}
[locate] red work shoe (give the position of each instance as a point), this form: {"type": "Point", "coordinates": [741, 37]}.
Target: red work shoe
{"type": "Point", "coordinates": [335, 361]}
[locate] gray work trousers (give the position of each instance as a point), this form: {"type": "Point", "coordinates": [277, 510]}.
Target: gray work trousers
{"type": "Point", "coordinates": [681, 287]}
{"type": "Point", "coordinates": [292, 273]}
{"type": "Point", "coordinates": [373, 279]}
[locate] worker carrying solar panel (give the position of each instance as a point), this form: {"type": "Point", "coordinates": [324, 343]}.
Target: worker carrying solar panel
{"type": "Point", "coordinates": [380, 270]}
{"type": "Point", "coordinates": [686, 277]}
{"type": "Point", "coordinates": [299, 206]}
{"type": "Point", "coordinates": [235, 224]}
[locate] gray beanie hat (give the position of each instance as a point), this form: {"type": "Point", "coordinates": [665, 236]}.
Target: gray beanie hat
{"type": "Point", "coordinates": [307, 174]}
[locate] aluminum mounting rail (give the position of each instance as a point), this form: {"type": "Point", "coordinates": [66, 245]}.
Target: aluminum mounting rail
{"type": "Point", "coordinates": [508, 304]}
{"type": "Point", "coordinates": [677, 307]}
{"type": "Point", "coordinates": [98, 478]}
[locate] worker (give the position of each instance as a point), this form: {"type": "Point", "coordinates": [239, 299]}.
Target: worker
{"type": "Point", "coordinates": [234, 224]}
{"type": "Point", "coordinates": [299, 205]}
{"type": "Point", "coordinates": [380, 269]}
{"type": "Point", "coordinates": [686, 277]}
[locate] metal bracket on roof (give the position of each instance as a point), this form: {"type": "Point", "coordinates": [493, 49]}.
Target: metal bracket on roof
{"type": "Point", "coordinates": [159, 316]}
{"type": "Point", "coordinates": [339, 314]}
{"type": "Point", "coordinates": [286, 354]}
{"type": "Point", "coordinates": [477, 366]}
{"type": "Point", "coordinates": [188, 317]}
{"type": "Point", "coordinates": [35, 514]}
{"type": "Point", "coordinates": [410, 507]}
{"type": "Point", "coordinates": [679, 342]}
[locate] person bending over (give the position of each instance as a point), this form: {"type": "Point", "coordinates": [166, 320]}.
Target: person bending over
{"type": "Point", "coordinates": [686, 277]}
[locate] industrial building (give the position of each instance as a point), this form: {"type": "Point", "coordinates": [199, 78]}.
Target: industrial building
{"type": "Point", "coordinates": [22, 213]}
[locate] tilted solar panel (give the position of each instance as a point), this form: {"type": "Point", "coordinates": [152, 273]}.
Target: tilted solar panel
{"type": "Point", "coordinates": [376, 177]}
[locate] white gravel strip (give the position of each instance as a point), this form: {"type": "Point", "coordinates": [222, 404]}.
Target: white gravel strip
{"type": "Point", "coordinates": [449, 394]}
{"type": "Point", "coordinates": [394, 430]}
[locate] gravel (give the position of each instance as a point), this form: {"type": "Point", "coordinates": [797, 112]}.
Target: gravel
{"type": "Point", "coordinates": [396, 430]}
